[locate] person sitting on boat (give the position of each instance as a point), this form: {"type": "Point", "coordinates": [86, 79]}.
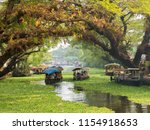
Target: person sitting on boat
{"type": "Point", "coordinates": [58, 75]}
{"type": "Point", "coordinates": [78, 75]}
{"type": "Point", "coordinates": [52, 76]}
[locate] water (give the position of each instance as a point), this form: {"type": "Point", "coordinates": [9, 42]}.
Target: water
{"type": "Point", "coordinates": [119, 104]}
{"type": "Point", "coordinates": [66, 91]}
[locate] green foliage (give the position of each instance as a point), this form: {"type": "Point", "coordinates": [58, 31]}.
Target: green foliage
{"type": "Point", "coordinates": [135, 32]}
{"type": "Point", "coordinates": [22, 95]}
{"type": "Point", "coordinates": [30, 23]}
{"type": "Point", "coordinates": [43, 55]}
{"type": "Point", "coordinates": [39, 57]}
{"type": "Point", "coordinates": [85, 53]}
{"type": "Point", "coordinates": [111, 6]}
{"type": "Point", "coordinates": [139, 6]}
{"type": "Point", "coordinates": [3, 5]}
{"type": "Point", "coordinates": [100, 82]}
{"type": "Point", "coordinates": [91, 55]}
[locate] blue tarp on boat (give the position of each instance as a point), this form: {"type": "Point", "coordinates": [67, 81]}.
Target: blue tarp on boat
{"type": "Point", "coordinates": [50, 71]}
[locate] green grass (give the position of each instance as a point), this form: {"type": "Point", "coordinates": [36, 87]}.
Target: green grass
{"type": "Point", "coordinates": [20, 95]}
{"type": "Point", "coordinates": [100, 82]}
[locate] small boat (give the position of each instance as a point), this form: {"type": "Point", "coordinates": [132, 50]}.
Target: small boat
{"type": "Point", "coordinates": [130, 76]}
{"type": "Point", "coordinates": [80, 74]}
{"type": "Point", "coordinates": [53, 75]}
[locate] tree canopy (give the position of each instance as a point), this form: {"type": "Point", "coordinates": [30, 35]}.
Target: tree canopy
{"type": "Point", "coordinates": [24, 26]}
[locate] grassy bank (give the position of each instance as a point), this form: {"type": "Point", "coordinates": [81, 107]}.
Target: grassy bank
{"type": "Point", "coordinates": [20, 95]}
{"type": "Point", "coordinates": [98, 81]}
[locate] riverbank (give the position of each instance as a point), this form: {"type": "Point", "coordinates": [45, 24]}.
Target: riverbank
{"type": "Point", "coordinates": [99, 82]}
{"type": "Point", "coordinates": [20, 95]}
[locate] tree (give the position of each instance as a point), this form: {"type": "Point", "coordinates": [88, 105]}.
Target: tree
{"type": "Point", "coordinates": [26, 24]}
{"type": "Point", "coordinates": [90, 55]}
{"type": "Point", "coordinates": [21, 68]}
{"type": "Point", "coordinates": [20, 34]}
{"type": "Point", "coordinates": [38, 58]}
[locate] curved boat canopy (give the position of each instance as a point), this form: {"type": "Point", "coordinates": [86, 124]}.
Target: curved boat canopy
{"type": "Point", "coordinates": [50, 71]}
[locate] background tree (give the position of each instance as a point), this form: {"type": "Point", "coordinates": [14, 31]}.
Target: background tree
{"type": "Point", "coordinates": [21, 68]}
{"type": "Point", "coordinates": [91, 55]}
{"type": "Point", "coordinates": [25, 25]}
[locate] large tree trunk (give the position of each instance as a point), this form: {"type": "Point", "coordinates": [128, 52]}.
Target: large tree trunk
{"type": "Point", "coordinates": [147, 62]}
{"type": "Point", "coordinates": [4, 58]}
{"type": "Point", "coordinates": [21, 69]}
{"type": "Point", "coordinates": [124, 59]}
{"type": "Point", "coordinates": [114, 51]}
{"type": "Point", "coordinates": [8, 68]}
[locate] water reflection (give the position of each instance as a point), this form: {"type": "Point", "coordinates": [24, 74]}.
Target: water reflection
{"type": "Point", "coordinates": [119, 104]}
{"type": "Point", "coordinates": [66, 91]}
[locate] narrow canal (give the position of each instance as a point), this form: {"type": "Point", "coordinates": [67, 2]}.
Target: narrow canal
{"type": "Point", "coordinates": [119, 104]}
